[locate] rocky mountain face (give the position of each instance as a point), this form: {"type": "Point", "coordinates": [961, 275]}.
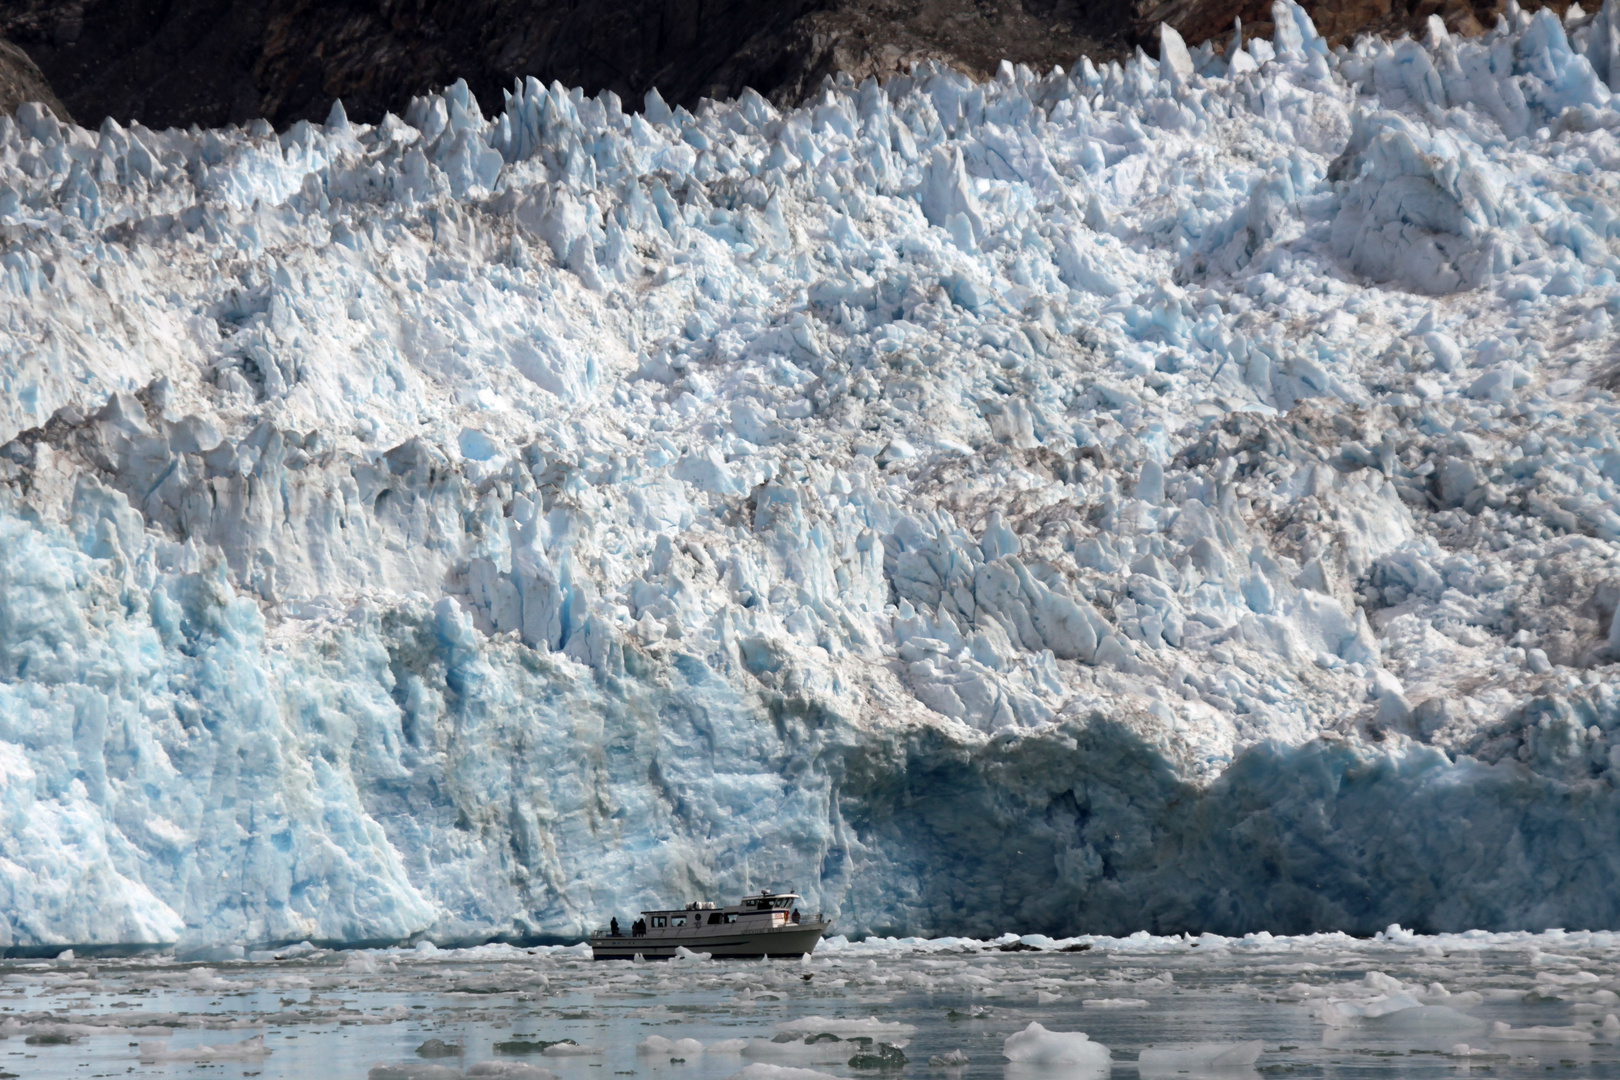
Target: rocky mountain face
{"type": "Point", "coordinates": [213, 62]}
{"type": "Point", "coordinates": [21, 80]}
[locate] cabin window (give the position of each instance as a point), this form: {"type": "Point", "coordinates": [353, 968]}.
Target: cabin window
{"type": "Point", "coordinates": [716, 919]}
{"type": "Point", "coordinates": [660, 920]}
{"type": "Point", "coordinates": [677, 920]}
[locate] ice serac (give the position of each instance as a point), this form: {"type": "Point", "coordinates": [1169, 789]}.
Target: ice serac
{"type": "Point", "coordinates": [1178, 495]}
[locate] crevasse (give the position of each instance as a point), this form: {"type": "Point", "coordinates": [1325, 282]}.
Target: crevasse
{"type": "Point", "coordinates": [1179, 495]}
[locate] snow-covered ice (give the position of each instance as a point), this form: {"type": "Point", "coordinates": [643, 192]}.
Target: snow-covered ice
{"type": "Point", "coordinates": [1178, 495]}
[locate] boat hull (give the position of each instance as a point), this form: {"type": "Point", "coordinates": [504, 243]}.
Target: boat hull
{"type": "Point", "coordinates": [777, 941]}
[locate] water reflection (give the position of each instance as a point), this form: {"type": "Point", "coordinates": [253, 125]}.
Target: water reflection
{"type": "Point", "coordinates": [1073, 1070]}
{"type": "Point", "coordinates": [1201, 1059]}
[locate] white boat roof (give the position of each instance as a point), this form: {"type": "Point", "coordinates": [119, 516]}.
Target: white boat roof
{"type": "Point", "coordinates": [748, 903]}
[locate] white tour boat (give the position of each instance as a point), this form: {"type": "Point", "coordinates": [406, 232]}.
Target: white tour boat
{"type": "Point", "coordinates": [769, 924]}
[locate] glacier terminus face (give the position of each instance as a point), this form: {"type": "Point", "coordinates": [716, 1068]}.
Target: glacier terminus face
{"type": "Point", "coordinates": [1171, 496]}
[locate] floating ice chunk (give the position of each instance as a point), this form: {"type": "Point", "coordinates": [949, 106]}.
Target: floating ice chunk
{"type": "Point", "coordinates": [1424, 1019]}
{"type": "Point", "coordinates": [207, 979]}
{"type": "Point", "coordinates": [872, 1026]}
{"type": "Point", "coordinates": [1540, 1033]}
{"type": "Point", "coordinates": [659, 1046]}
{"type": "Point", "coordinates": [1201, 1057]}
{"type": "Point", "coordinates": [568, 1049]}
{"type": "Point", "coordinates": [1463, 1050]}
{"type": "Point", "coordinates": [727, 1046]}
{"type": "Point", "coordinates": [824, 1048]}
{"type": "Point", "coordinates": [246, 1050]}
{"type": "Point", "coordinates": [954, 1059]}
{"type": "Point", "coordinates": [207, 954]}
{"type": "Point", "coordinates": [359, 960]}
{"type": "Point", "coordinates": [1353, 1011]}
{"type": "Point", "coordinates": [1035, 1045]}
{"type": "Point", "coordinates": [763, 1071]}
{"type": "Point", "coordinates": [414, 1070]}
{"type": "Point", "coordinates": [1115, 1003]}
{"type": "Point", "coordinates": [511, 1070]}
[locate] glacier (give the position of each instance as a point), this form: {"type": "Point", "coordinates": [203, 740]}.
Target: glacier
{"type": "Point", "coordinates": [1178, 495]}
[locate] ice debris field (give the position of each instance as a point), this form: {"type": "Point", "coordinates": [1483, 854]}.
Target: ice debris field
{"type": "Point", "coordinates": [1510, 1005]}
{"type": "Point", "coordinates": [1178, 495]}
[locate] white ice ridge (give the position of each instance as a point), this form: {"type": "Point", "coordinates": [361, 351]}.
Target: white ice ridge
{"type": "Point", "coordinates": [1179, 495]}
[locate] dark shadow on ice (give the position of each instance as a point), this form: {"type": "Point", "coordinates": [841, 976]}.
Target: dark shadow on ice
{"type": "Point", "coordinates": [1088, 829]}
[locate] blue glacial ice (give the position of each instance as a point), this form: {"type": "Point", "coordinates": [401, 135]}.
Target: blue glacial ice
{"type": "Point", "coordinates": [1178, 495]}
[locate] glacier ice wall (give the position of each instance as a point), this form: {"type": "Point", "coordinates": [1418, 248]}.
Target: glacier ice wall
{"type": "Point", "coordinates": [1176, 495]}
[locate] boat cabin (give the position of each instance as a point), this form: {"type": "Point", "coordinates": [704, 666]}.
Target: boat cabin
{"type": "Point", "coordinates": [754, 912]}
{"type": "Point", "coordinates": [769, 924]}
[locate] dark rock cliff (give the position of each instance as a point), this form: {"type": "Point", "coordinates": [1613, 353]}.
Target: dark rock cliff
{"type": "Point", "coordinates": [211, 62]}
{"type": "Point", "coordinates": [215, 61]}
{"type": "Point", "coordinates": [21, 80]}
